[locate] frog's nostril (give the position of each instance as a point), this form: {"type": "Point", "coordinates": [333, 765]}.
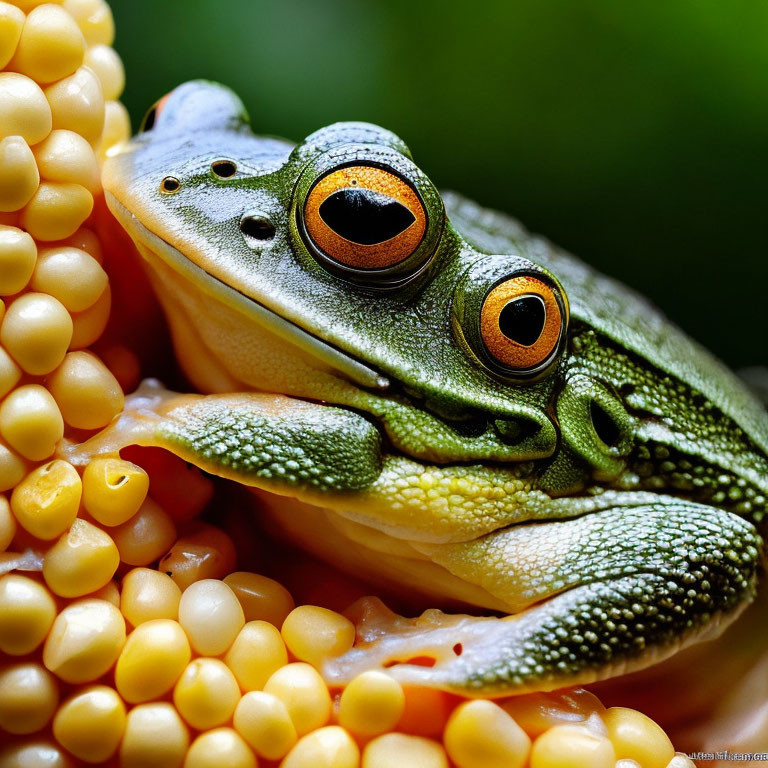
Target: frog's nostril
{"type": "Point", "coordinates": [256, 228]}
{"type": "Point", "coordinates": [513, 431]}
{"type": "Point", "coordinates": [224, 169]}
{"type": "Point", "coordinates": [170, 185]}
{"type": "Point", "coordinates": [605, 427]}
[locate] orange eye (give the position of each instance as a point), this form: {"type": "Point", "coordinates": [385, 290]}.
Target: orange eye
{"type": "Point", "coordinates": [521, 322]}
{"type": "Point", "coordinates": [365, 217]}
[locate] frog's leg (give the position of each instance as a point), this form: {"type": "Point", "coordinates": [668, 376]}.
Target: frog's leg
{"type": "Point", "coordinates": [597, 586]}
{"type": "Point", "coordinates": [273, 442]}
{"type": "Point", "coordinates": [608, 592]}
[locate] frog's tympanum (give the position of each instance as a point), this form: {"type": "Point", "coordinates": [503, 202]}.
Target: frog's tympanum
{"type": "Point", "coordinates": [426, 395]}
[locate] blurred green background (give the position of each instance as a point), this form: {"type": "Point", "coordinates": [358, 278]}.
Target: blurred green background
{"type": "Point", "coordinates": [633, 134]}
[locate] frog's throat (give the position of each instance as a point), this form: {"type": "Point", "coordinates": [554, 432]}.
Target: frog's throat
{"type": "Point", "coordinates": [348, 366]}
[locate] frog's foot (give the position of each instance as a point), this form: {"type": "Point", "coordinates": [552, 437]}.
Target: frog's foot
{"type": "Point", "coordinates": [617, 590]}
{"type": "Point", "coordinates": [273, 442]}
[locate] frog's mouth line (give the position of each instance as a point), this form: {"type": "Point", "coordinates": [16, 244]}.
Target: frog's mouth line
{"type": "Point", "coordinates": [358, 372]}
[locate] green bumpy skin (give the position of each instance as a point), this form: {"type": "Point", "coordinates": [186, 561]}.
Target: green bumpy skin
{"type": "Point", "coordinates": [608, 499]}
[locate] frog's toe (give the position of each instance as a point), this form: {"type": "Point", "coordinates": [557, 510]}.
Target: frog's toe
{"type": "Point", "coordinates": [663, 578]}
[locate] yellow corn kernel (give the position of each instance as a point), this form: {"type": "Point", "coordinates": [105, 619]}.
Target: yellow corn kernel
{"type": "Point", "coordinates": [70, 275]}
{"type": "Point", "coordinates": [45, 503]}
{"type": "Point", "coordinates": [67, 157]}
{"type": "Point", "coordinates": [90, 324]}
{"type": "Point", "coordinates": [480, 734]}
{"type": "Point", "coordinates": [28, 5]}
{"type": "Point", "coordinates": [30, 421]}
{"type": "Point", "coordinates": [27, 611]}
{"type": "Point", "coordinates": [538, 712]}
{"type": "Point", "coordinates": [314, 634]}
{"type": "Point", "coordinates": [109, 592]}
{"type": "Point", "coordinates": [329, 747]}
{"type": "Point", "coordinates": [211, 616]}
{"type": "Point", "coordinates": [85, 641]}
{"type": "Point", "coordinates": [571, 746]}
{"type": "Point", "coordinates": [19, 176]}
{"type": "Point", "coordinates": [11, 24]}
{"type": "Point", "coordinates": [154, 737]}
{"type": "Point", "coordinates": [371, 704]}
{"type": "Point", "coordinates": [636, 737]}
{"type": "Point", "coordinates": [18, 254]}
{"type": "Point", "coordinates": [106, 63]}
{"type": "Point", "coordinates": [34, 754]}
{"type": "Point", "coordinates": [56, 210]}
{"type": "Point", "coordinates": [24, 110]}
{"type": "Point", "coordinates": [261, 597]}
{"type": "Point", "coordinates": [76, 104]}
{"type": "Point", "coordinates": [154, 656]}
{"type": "Point", "coordinates": [86, 392]}
{"type": "Point", "coordinates": [8, 525]}
{"type": "Point", "coordinates": [36, 331]}
{"type": "Point", "coordinates": [28, 698]}
{"type": "Point", "coordinates": [263, 721]}
{"type": "Point", "coordinates": [10, 373]}
{"type": "Point", "coordinates": [148, 594]}
{"type": "Point", "coordinates": [403, 751]}
{"type": "Point", "coordinates": [146, 536]}
{"type": "Point", "coordinates": [83, 560]}
{"type": "Point", "coordinates": [94, 18]}
{"type": "Point", "coordinates": [90, 724]}
{"type": "Point", "coordinates": [51, 45]}
{"type": "Point", "coordinates": [678, 761]}
{"type": "Point", "coordinates": [299, 686]}
{"type": "Point", "coordinates": [113, 490]}
{"type": "Point", "coordinates": [203, 552]}
{"type": "Point", "coordinates": [256, 654]}
{"type": "Point", "coordinates": [222, 746]}
{"type": "Point", "coordinates": [206, 694]}
{"type": "Point", "coordinates": [12, 470]}
{"type": "Point", "coordinates": [85, 240]}
{"type": "Point", "coordinates": [117, 127]}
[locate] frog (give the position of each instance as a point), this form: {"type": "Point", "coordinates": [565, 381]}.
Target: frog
{"type": "Point", "coordinates": [421, 392]}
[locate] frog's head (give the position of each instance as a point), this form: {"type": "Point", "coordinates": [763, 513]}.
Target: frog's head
{"type": "Point", "coordinates": [328, 271]}
{"type": "Point", "coordinates": [478, 379]}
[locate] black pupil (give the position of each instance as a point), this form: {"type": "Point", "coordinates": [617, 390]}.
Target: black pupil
{"type": "Point", "coordinates": [522, 319]}
{"type": "Point", "coordinates": [170, 184]}
{"type": "Point", "coordinates": [365, 216]}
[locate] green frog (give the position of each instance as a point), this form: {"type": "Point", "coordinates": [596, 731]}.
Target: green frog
{"type": "Point", "coordinates": [426, 395]}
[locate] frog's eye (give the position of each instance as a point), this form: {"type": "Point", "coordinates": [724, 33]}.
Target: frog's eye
{"type": "Point", "coordinates": [148, 123]}
{"type": "Point", "coordinates": [521, 323]}
{"type": "Point", "coordinates": [364, 217]}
